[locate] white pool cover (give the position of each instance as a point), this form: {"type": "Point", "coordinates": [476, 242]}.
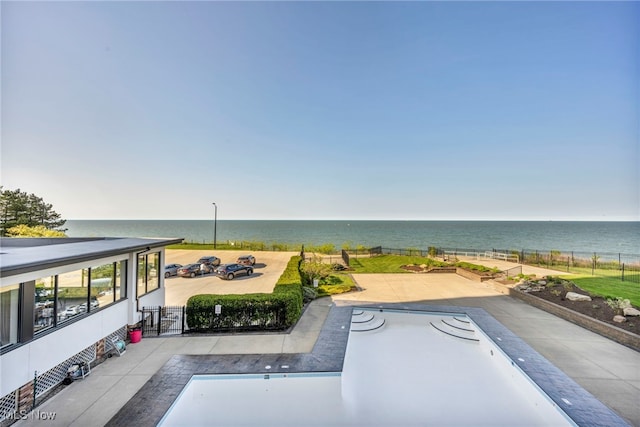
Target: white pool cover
{"type": "Point", "coordinates": [400, 369]}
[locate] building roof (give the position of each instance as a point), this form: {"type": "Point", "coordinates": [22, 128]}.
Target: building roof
{"type": "Point", "coordinates": [24, 255]}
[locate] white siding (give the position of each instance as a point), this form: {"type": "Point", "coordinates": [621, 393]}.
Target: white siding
{"type": "Point", "coordinates": [17, 367]}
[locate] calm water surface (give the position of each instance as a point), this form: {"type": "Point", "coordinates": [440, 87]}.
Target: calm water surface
{"type": "Point", "coordinates": [601, 237]}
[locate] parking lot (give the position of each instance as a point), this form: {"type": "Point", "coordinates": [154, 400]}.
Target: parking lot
{"type": "Point", "coordinates": [266, 272]}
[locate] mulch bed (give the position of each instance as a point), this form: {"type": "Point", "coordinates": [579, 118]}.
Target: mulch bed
{"type": "Point", "coordinates": [596, 309]}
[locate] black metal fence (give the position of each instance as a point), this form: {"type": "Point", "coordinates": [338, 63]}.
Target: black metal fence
{"type": "Point", "coordinates": [345, 257]}
{"type": "Point", "coordinates": [167, 320]}
{"type": "Point", "coordinates": [513, 272]}
{"type": "Point", "coordinates": [625, 267]}
{"type": "Point", "coordinates": [622, 266]}
{"type": "Point", "coordinates": [379, 250]}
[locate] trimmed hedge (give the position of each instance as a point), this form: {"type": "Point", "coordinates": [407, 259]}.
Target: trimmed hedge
{"type": "Point", "coordinates": [289, 287]}
{"type": "Point", "coordinates": [278, 310]}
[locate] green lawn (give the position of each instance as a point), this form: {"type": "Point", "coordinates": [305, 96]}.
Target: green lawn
{"type": "Point", "coordinates": [337, 283]}
{"type": "Point", "coordinates": [389, 263]}
{"type": "Point", "coordinates": [607, 287]}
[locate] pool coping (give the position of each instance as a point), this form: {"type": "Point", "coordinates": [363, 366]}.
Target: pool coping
{"type": "Point", "coordinates": [149, 405]}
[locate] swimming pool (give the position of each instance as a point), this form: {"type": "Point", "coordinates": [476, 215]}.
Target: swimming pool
{"type": "Point", "coordinates": [401, 367]}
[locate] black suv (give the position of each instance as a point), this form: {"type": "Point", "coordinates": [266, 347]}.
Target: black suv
{"type": "Point", "coordinates": [229, 271]}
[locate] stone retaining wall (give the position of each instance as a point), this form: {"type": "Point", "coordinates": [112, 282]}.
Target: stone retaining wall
{"type": "Point", "coordinates": [442, 270]}
{"type": "Point", "coordinates": [477, 277]}
{"type": "Point", "coordinates": [606, 330]}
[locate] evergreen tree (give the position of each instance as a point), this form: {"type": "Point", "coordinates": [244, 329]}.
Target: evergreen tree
{"type": "Point", "coordinates": [19, 208]}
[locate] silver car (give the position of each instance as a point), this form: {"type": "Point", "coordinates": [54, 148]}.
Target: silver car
{"type": "Point", "coordinates": [246, 260]}
{"type": "Point", "coordinates": [171, 270]}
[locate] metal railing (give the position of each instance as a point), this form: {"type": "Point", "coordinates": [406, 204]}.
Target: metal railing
{"type": "Point", "coordinates": [167, 320]}
{"type": "Point", "coordinates": [625, 267]}
{"type": "Point", "coordinates": [345, 257]}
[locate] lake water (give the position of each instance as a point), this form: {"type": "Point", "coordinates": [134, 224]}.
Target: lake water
{"type": "Point", "coordinates": [587, 237]}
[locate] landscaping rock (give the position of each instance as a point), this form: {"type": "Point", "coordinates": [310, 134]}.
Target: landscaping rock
{"type": "Point", "coordinates": [619, 319]}
{"type": "Point", "coordinates": [573, 296]}
{"type": "Point", "coordinates": [630, 311]}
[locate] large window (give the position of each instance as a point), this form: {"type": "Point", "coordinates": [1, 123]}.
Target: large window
{"type": "Point", "coordinates": [121, 281]}
{"type": "Point", "coordinates": [9, 297]}
{"type": "Point", "coordinates": [66, 296]}
{"type": "Point", "coordinates": [45, 296]}
{"type": "Point", "coordinates": [147, 277]}
{"type": "Point", "coordinates": [103, 281]}
{"type": "Point", "coordinates": [57, 299]}
{"type": "Point", "coordinates": [73, 293]}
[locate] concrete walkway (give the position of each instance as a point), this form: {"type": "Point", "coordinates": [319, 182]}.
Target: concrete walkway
{"type": "Point", "coordinates": [610, 371]}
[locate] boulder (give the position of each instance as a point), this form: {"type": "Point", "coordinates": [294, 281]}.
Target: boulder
{"type": "Point", "coordinates": [572, 296]}
{"type": "Point", "coordinates": [619, 319]}
{"type": "Point", "coordinates": [630, 311]}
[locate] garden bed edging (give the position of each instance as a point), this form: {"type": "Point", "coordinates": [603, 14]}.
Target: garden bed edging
{"type": "Point", "coordinates": [608, 331]}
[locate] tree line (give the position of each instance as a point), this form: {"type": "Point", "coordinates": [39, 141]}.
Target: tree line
{"type": "Point", "coordinates": [23, 214]}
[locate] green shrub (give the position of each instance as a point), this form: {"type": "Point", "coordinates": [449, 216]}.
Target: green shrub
{"type": "Point", "coordinates": [554, 279]}
{"type": "Point", "coordinates": [289, 287]}
{"type": "Point", "coordinates": [618, 304]}
{"type": "Point", "coordinates": [251, 311]}
{"type": "Point", "coordinates": [314, 269]}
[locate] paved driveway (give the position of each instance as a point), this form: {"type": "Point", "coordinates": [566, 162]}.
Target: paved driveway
{"type": "Point", "coordinates": [267, 270]}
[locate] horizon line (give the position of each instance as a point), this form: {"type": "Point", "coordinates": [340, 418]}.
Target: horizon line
{"type": "Point", "coordinates": [357, 219]}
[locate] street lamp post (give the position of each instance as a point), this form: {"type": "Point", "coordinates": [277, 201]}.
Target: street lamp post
{"type": "Point", "coordinates": [215, 224]}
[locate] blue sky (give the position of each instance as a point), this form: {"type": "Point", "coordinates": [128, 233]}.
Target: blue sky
{"type": "Point", "coordinates": [324, 110]}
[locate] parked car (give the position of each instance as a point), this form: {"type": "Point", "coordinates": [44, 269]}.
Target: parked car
{"type": "Point", "coordinates": [229, 271]}
{"type": "Point", "coordinates": [246, 260]}
{"type": "Point", "coordinates": [72, 310]}
{"type": "Point", "coordinates": [192, 270]}
{"type": "Point", "coordinates": [171, 270]}
{"type": "Point", "coordinates": [82, 308]}
{"type": "Point", "coordinates": [43, 292]}
{"type": "Point", "coordinates": [211, 261]}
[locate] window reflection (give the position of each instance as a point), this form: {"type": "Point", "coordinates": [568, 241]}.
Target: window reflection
{"type": "Point", "coordinates": [9, 298]}
{"type": "Point", "coordinates": [60, 298]}
{"type": "Point", "coordinates": [44, 303]}
{"type": "Point", "coordinates": [102, 285]}
{"type": "Point", "coordinates": [73, 291]}
{"type": "Point", "coordinates": [142, 275]}
{"type": "Point", "coordinates": [153, 264]}
{"type": "Point", "coordinates": [120, 282]}
{"type": "Point", "coordinates": [147, 275]}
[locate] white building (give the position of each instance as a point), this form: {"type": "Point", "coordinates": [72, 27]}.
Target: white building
{"type": "Point", "coordinates": [63, 300]}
